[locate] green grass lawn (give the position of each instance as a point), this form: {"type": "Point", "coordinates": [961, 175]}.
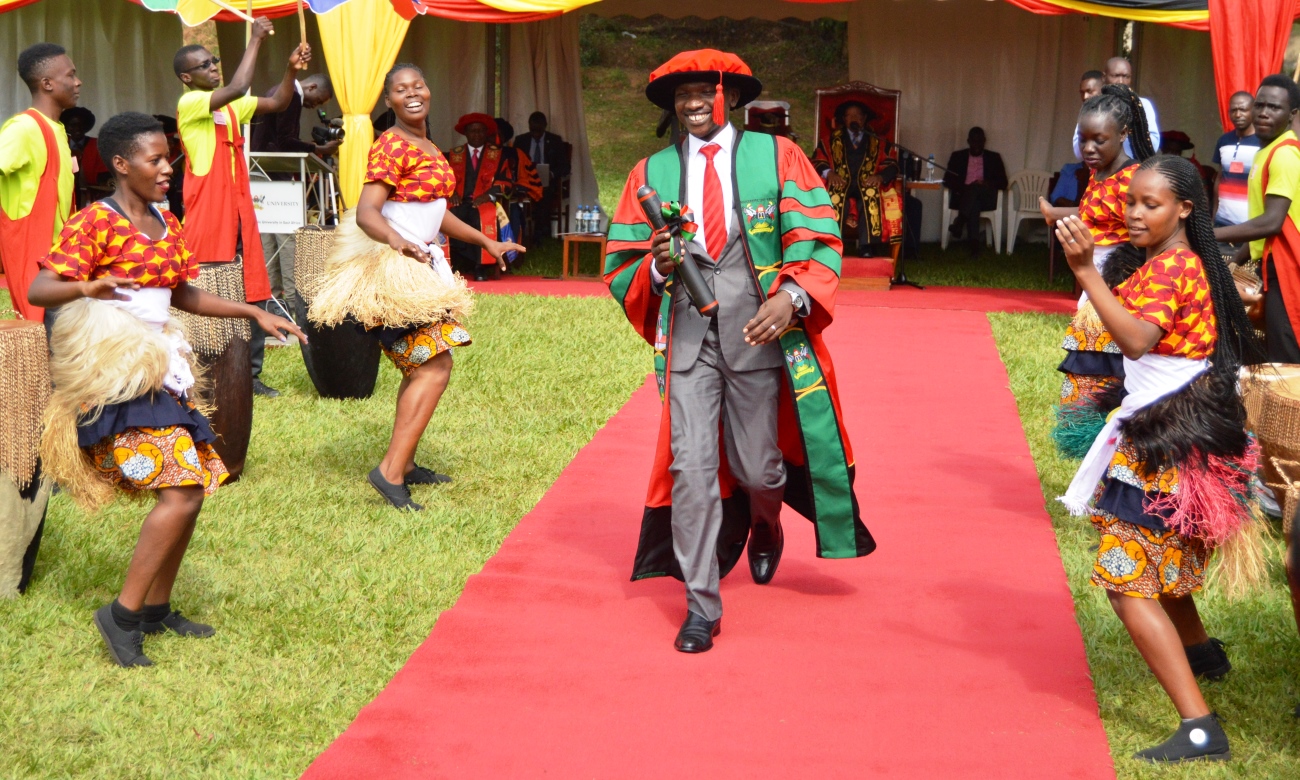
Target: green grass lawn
{"type": "Point", "coordinates": [319, 592]}
{"type": "Point", "coordinates": [1255, 700]}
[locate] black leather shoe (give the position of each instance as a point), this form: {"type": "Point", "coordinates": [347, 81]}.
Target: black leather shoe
{"type": "Point", "coordinates": [422, 476]}
{"type": "Point", "coordinates": [180, 625]}
{"type": "Point", "coordinates": [765, 545]}
{"type": "Point", "coordinates": [696, 634]}
{"type": "Point", "coordinates": [125, 647]}
{"type": "Point", "coordinates": [1199, 739]}
{"type": "Point", "coordinates": [1209, 660]}
{"type": "Point", "coordinates": [397, 495]}
{"type": "Point", "coordinates": [264, 390]}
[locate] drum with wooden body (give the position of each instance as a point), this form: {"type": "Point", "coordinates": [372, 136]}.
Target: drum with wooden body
{"type": "Point", "coordinates": [343, 362]}
{"type": "Point", "coordinates": [1272, 398]}
{"type": "Point", "coordinates": [221, 345]}
{"type": "Point", "coordinates": [24, 491]}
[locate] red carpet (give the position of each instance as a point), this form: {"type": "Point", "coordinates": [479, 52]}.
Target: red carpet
{"type": "Point", "coordinates": [952, 652]}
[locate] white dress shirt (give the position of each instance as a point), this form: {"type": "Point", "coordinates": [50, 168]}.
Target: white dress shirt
{"type": "Point", "coordinates": [695, 165]}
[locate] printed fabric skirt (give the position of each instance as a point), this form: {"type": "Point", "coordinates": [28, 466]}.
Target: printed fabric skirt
{"type": "Point", "coordinates": [410, 348]}
{"type": "Point", "coordinates": [152, 442]}
{"type": "Point", "coordinates": [1091, 389]}
{"type": "Point", "coordinates": [1139, 556]}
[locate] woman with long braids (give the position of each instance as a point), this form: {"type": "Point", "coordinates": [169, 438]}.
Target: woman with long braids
{"type": "Point", "coordinates": [387, 273]}
{"type": "Point", "coordinates": [1092, 364]}
{"type": "Point", "coordinates": [1169, 478]}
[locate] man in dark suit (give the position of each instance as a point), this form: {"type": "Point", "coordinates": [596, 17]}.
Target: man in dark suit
{"type": "Point", "coordinates": [544, 148]}
{"type": "Point", "coordinates": [975, 177]}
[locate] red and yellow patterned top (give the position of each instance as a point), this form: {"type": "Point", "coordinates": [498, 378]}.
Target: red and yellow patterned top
{"type": "Point", "coordinates": [1171, 292]}
{"type": "Point", "coordinates": [97, 241]}
{"type": "Point", "coordinates": [414, 174]}
{"type": "Point", "coordinates": [1102, 207]}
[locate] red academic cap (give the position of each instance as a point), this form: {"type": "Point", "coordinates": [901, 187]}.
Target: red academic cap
{"type": "Point", "coordinates": [482, 119]}
{"type": "Point", "coordinates": [706, 65]}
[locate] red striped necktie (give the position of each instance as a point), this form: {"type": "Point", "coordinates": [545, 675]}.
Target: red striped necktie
{"type": "Point", "coordinates": [715, 218]}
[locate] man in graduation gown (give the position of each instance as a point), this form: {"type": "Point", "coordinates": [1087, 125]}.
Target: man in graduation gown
{"type": "Point", "coordinates": [485, 177]}
{"type": "Point", "coordinates": [862, 176]}
{"type": "Point", "coordinates": [751, 417]}
{"type": "Point", "coordinates": [220, 222]}
{"type": "Point", "coordinates": [37, 172]}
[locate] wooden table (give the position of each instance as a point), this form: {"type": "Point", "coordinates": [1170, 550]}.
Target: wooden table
{"type": "Point", "coordinates": [572, 244]}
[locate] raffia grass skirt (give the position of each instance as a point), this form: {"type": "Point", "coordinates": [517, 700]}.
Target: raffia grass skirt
{"type": "Point", "coordinates": [372, 284]}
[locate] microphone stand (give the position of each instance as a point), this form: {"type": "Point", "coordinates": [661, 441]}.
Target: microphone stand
{"type": "Point", "coordinates": [900, 274]}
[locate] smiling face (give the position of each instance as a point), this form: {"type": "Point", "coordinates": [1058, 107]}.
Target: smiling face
{"type": "Point", "coordinates": [694, 106]}
{"type": "Point", "coordinates": [1273, 113]}
{"type": "Point", "coordinates": [1100, 140]}
{"type": "Point", "coordinates": [145, 171]}
{"type": "Point", "coordinates": [202, 70]}
{"type": "Point", "coordinates": [1153, 213]}
{"type": "Point", "coordinates": [408, 96]}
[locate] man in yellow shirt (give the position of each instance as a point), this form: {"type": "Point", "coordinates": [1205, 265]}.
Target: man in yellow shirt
{"type": "Point", "coordinates": [220, 224]}
{"type": "Point", "coordinates": [36, 170]}
{"type": "Point", "coordinates": [1273, 205]}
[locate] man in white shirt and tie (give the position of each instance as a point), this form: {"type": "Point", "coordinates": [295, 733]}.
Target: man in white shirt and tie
{"type": "Point", "coordinates": [769, 253]}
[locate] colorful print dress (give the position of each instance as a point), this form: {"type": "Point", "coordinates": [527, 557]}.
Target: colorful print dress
{"type": "Point", "coordinates": [1093, 364]}
{"type": "Point", "coordinates": [415, 176]}
{"type": "Point", "coordinates": [1139, 555]}
{"type": "Point", "coordinates": [158, 440]}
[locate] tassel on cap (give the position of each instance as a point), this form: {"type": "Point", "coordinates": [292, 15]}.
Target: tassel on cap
{"type": "Point", "coordinates": [719, 104]}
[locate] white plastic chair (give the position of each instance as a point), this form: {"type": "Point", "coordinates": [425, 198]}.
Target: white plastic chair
{"type": "Point", "coordinates": [1026, 188]}
{"type": "Point", "coordinates": [994, 218]}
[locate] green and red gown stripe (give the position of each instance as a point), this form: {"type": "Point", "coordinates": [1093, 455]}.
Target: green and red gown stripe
{"type": "Point", "coordinates": [789, 232]}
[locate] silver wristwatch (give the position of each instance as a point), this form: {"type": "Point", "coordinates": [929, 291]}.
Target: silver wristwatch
{"type": "Point", "coordinates": [795, 299]}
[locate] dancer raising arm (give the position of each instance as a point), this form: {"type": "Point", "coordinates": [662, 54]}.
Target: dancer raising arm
{"type": "Point", "coordinates": [388, 273]}
{"type": "Point", "coordinates": [123, 413]}
{"type": "Point", "coordinates": [1092, 364]}
{"type": "Point", "coordinates": [1169, 479]}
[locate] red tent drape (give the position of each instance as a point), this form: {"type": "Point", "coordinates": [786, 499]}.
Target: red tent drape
{"type": "Point", "coordinates": [459, 10]}
{"type": "Point", "coordinates": [1248, 39]}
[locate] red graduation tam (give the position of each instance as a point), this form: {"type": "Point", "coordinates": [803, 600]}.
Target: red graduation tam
{"type": "Point", "coordinates": [705, 65]}
{"type": "Point", "coordinates": [482, 119]}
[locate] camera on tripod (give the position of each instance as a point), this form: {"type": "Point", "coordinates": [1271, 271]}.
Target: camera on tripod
{"type": "Point", "coordinates": [328, 130]}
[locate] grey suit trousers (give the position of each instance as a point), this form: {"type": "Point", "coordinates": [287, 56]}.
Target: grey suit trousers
{"type": "Point", "coordinates": [745, 402]}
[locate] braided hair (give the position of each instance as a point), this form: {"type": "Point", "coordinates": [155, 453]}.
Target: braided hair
{"type": "Point", "coordinates": [1124, 106]}
{"type": "Point", "coordinates": [1237, 343]}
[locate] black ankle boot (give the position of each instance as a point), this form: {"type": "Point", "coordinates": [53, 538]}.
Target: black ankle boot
{"type": "Point", "coordinates": [1209, 660]}
{"type": "Point", "coordinates": [1198, 739]}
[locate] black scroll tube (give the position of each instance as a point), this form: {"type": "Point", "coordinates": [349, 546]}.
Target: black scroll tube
{"type": "Point", "coordinates": [701, 296]}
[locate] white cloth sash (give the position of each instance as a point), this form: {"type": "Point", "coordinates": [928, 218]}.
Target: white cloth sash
{"type": "Point", "coordinates": [420, 222]}
{"type": "Point", "coordinates": [1147, 380]}
{"type": "Point", "coordinates": [152, 305]}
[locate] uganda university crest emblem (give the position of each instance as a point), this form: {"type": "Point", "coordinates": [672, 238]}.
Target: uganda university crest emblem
{"type": "Point", "coordinates": [798, 358]}
{"type": "Point", "coordinates": [760, 217]}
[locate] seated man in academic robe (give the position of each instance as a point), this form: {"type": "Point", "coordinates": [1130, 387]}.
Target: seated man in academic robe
{"type": "Point", "coordinates": [485, 179]}
{"type": "Point", "coordinates": [861, 175]}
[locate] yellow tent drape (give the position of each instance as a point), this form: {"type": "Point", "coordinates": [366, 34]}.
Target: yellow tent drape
{"type": "Point", "coordinates": [360, 39]}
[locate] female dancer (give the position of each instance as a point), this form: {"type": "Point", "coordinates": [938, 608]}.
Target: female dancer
{"type": "Point", "coordinates": [122, 414]}
{"type": "Point", "coordinates": [1169, 479]}
{"type": "Point", "coordinates": [1092, 364]}
{"type": "Point", "coordinates": [388, 273]}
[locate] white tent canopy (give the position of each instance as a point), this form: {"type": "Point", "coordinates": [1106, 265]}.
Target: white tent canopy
{"type": "Point", "coordinates": [958, 63]}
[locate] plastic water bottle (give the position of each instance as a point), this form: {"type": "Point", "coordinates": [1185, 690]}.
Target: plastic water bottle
{"type": "Point", "coordinates": [929, 169]}
{"type": "Point", "coordinates": [582, 218]}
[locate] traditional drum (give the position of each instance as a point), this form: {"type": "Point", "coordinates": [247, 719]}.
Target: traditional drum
{"type": "Point", "coordinates": [342, 361]}
{"type": "Point", "coordinates": [24, 491]}
{"type": "Point", "coordinates": [221, 345]}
